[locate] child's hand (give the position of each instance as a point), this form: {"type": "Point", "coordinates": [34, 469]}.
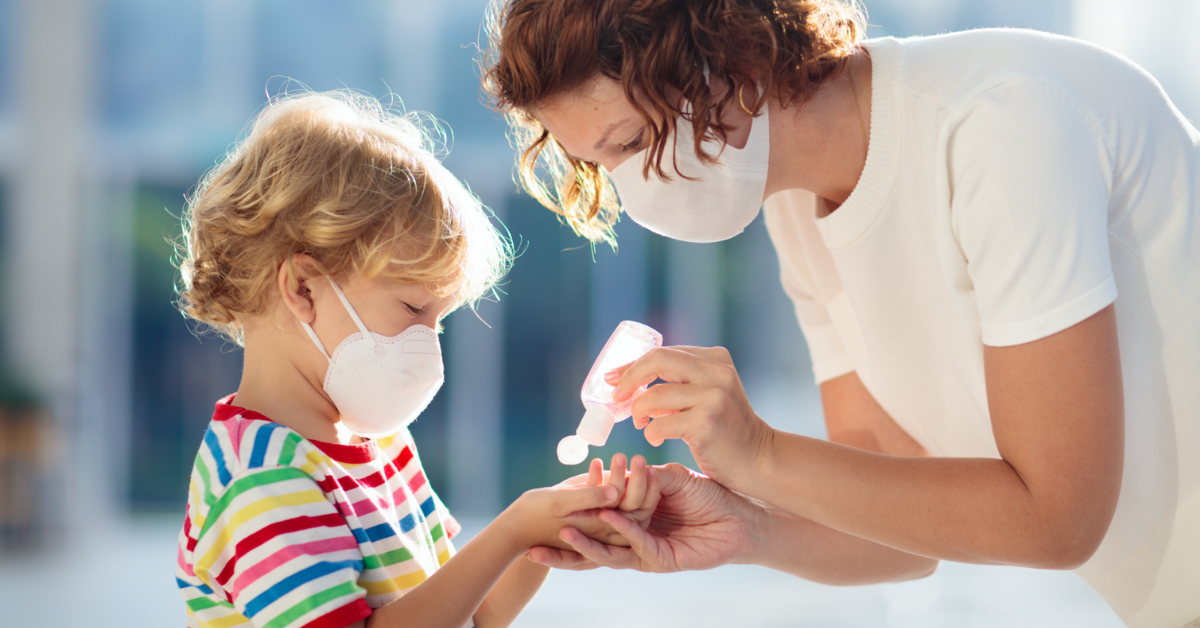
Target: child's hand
{"type": "Point", "coordinates": [639, 496]}
{"type": "Point", "coordinates": [538, 515]}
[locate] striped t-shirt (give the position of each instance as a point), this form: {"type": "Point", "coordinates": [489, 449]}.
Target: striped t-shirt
{"type": "Point", "coordinates": [283, 532]}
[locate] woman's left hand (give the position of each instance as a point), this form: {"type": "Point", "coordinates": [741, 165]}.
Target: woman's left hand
{"type": "Point", "coordinates": [698, 524]}
{"type": "Point", "coordinates": [639, 490]}
{"type": "Point", "coordinates": [703, 403]}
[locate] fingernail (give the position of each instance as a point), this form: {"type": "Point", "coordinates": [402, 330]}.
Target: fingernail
{"type": "Point", "coordinates": [613, 377]}
{"type": "Point", "coordinates": [639, 461]}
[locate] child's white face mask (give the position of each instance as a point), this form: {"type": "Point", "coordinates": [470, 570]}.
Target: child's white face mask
{"type": "Point", "coordinates": [380, 384]}
{"type": "Point", "coordinates": [719, 201]}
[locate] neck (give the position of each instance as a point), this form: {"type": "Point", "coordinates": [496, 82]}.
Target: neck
{"type": "Point", "coordinates": [278, 383]}
{"type": "Point", "coordinates": [821, 145]}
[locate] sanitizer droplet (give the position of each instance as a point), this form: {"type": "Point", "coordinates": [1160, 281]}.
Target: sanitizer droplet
{"type": "Point", "coordinates": [572, 450]}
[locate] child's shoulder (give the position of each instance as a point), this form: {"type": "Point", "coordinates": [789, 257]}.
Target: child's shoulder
{"type": "Point", "coordinates": [240, 442]}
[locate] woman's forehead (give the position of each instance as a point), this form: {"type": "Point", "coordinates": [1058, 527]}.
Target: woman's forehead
{"type": "Point", "coordinates": [587, 119]}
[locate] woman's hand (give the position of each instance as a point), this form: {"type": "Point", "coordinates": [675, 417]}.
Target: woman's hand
{"type": "Point", "coordinates": [698, 524]}
{"type": "Point", "coordinates": [703, 403]}
{"type": "Point", "coordinates": [639, 489]}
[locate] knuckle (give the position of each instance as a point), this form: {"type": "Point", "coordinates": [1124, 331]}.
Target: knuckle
{"type": "Point", "coordinates": [727, 376]}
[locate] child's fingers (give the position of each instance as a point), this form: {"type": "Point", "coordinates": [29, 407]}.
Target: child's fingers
{"type": "Point", "coordinates": [635, 486]}
{"type": "Point", "coordinates": [587, 498]}
{"type": "Point", "coordinates": [596, 472]}
{"type": "Point", "coordinates": [653, 490]}
{"type": "Point", "coordinates": [616, 473]}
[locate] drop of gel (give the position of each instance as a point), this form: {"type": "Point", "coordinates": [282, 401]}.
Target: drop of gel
{"type": "Point", "coordinates": [572, 450]}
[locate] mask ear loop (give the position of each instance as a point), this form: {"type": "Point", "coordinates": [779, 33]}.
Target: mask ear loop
{"type": "Point", "coordinates": [316, 341]}
{"type": "Point", "coordinates": [354, 315]}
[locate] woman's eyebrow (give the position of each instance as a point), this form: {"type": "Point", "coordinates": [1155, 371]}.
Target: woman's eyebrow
{"type": "Point", "coordinates": [607, 132]}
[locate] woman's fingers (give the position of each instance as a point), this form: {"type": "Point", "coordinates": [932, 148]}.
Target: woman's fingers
{"type": "Point", "coordinates": [641, 543]}
{"type": "Point", "coordinates": [719, 355]}
{"type": "Point", "coordinates": [611, 556]}
{"type": "Point", "coordinates": [635, 486]}
{"type": "Point", "coordinates": [671, 364]}
{"type": "Point", "coordinates": [559, 558]}
{"type": "Point", "coordinates": [685, 426]}
{"type": "Point", "coordinates": [665, 399]}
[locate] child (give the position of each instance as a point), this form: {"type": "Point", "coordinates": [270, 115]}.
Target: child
{"type": "Point", "coordinates": [330, 244]}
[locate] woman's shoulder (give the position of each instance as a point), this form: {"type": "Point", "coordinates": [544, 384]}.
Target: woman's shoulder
{"type": "Point", "coordinates": [958, 66]}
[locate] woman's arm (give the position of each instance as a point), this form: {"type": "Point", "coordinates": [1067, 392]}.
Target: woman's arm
{"type": "Point", "coordinates": [700, 524]}
{"type": "Point", "coordinates": [854, 418]}
{"type": "Point", "coordinates": [1057, 413]}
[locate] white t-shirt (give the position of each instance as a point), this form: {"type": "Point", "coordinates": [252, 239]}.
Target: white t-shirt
{"type": "Point", "coordinates": [1016, 183]}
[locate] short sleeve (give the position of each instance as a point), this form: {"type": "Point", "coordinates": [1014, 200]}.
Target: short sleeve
{"type": "Point", "coordinates": [806, 272]}
{"type": "Point", "coordinates": [1029, 184]}
{"type": "Point", "coordinates": [450, 525]}
{"type": "Point", "coordinates": [274, 550]}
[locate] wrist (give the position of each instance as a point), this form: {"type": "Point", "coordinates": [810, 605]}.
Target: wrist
{"type": "Point", "coordinates": [761, 463]}
{"type": "Point", "coordinates": [508, 529]}
{"type": "Point", "coordinates": [759, 529]}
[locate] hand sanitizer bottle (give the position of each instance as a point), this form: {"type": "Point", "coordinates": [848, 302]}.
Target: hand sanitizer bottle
{"type": "Point", "coordinates": [629, 342]}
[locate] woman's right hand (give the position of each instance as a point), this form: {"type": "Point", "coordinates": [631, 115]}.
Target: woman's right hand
{"type": "Point", "coordinates": [701, 402]}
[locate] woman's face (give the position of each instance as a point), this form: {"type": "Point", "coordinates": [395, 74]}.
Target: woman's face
{"type": "Point", "coordinates": [595, 123]}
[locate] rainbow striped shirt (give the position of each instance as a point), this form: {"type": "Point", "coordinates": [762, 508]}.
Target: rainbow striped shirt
{"type": "Point", "coordinates": [283, 532]}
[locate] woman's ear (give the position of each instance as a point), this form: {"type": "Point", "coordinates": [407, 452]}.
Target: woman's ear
{"type": "Point", "coordinates": [294, 280]}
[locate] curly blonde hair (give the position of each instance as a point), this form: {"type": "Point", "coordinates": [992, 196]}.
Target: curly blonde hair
{"type": "Point", "coordinates": [341, 178]}
{"type": "Point", "coordinates": [540, 49]}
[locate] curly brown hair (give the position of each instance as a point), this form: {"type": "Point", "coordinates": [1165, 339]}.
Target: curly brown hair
{"type": "Point", "coordinates": [343, 179]}
{"type": "Point", "coordinates": [540, 49]}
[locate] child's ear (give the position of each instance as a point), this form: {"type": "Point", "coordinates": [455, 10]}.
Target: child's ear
{"type": "Point", "coordinates": [295, 278]}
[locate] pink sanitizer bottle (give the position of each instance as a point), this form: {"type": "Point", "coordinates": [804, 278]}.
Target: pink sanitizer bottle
{"type": "Point", "coordinates": [629, 342]}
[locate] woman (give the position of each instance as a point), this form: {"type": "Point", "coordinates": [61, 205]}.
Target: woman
{"type": "Point", "coordinates": [992, 240]}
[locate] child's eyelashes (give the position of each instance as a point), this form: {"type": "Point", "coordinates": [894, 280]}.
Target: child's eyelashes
{"type": "Point", "coordinates": [414, 310]}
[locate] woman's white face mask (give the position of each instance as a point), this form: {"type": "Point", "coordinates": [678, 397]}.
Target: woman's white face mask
{"type": "Point", "coordinates": [718, 201]}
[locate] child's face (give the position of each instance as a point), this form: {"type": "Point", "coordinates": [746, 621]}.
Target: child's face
{"type": "Point", "coordinates": [387, 307]}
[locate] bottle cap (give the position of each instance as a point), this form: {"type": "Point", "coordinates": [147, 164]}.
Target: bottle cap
{"type": "Point", "coordinates": [572, 450]}
{"type": "Point", "coordinates": [596, 424]}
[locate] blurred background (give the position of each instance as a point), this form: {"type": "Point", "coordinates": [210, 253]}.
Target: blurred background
{"type": "Point", "coordinates": [110, 111]}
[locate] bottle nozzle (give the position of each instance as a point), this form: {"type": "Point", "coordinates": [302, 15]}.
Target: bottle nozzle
{"type": "Point", "coordinates": [596, 425]}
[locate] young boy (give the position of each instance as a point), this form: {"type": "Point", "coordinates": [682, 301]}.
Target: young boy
{"type": "Point", "coordinates": [330, 244]}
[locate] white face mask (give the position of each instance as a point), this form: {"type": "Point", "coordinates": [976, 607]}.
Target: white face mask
{"type": "Point", "coordinates": [380, 384]}
{"type": "Point", "coordinates": [717, 203]}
